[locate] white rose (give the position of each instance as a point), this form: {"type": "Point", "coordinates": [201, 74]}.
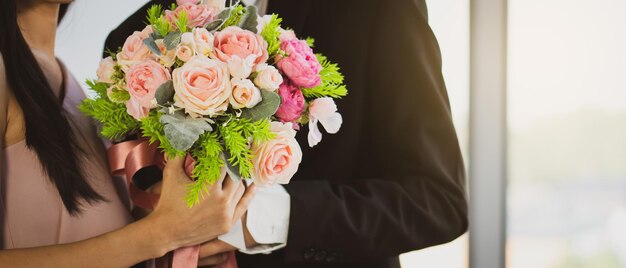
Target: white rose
{"type": "Point", "coordinates": [204, 41]}
{"type": "Point", "coordinates": [245, 94]}
{"type": "Point", "coordinates": [241, 68]}
{"type": "Point", "coordinates": [267, 77]}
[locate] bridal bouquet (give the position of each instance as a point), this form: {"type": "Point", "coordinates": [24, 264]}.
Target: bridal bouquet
{"type": "Point", "coordinates": [221, 85]}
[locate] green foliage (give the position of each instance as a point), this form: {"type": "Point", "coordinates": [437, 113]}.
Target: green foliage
{"type": "Point", "coordinates": [332, 81]}
{"type": "Point", "coordinates": [100, 88]}
{"type": "Point", "coordinates": [208, 166]}
{"type": "Point", "coordinates": [116, 122]}
{"type": "Point", "coordinates": [156, 18]}
{"type": "Point", "coordinates": [181, 21]}
{"type": "Point", "coordinates": [236, 13]}
{"type": "Point", "coordinates": [119, 96]}
{"type": "Point", "coordinates": [235, 134]}
{"type": "Point", "coordinates": [152, 128]}
{"type": "Point", "coordinates": [271, 35]}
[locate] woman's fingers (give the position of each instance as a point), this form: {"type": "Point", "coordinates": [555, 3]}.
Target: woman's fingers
{"type": "Point", "coordinates": [242, 205]}
{"type": "Point", "coordinates": [217, 187]}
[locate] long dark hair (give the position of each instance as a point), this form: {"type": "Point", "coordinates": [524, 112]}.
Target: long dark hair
{"type": "Point", "coordinates": [48, 130]}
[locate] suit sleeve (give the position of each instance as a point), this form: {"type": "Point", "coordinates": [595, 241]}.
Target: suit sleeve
{"type": "Point", "coordinates": [415, 196]}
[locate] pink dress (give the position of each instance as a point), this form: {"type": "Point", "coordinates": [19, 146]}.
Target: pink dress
{"type": "Point", "coordinates": [31, 211]}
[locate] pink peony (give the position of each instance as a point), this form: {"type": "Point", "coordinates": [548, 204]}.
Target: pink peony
{"type": "Point", "coordinates": [292, 102]}
{"type": "Point", "coordinates": [277, 160]}
{"type": "Point", "coordinates": [134, 50]}
{"type": "Point", "coordinates": [197, 15]}
{"type": "Point", "coordinates": [242, 43]}
{"type": "Point", "coordinates": [301, 66]}
{"type": "Point", "coordinates": [202, 86]}
{"type": "Point", "coordinates": [143, 79]}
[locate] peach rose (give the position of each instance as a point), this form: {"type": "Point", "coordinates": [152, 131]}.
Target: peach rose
{"type": "Point", "coordinates": [143, 79]}
{"type": "Point", "coordinates": [134, 50]}
{"type": "Point", "coordinates": [197, 15]}
{"type": "Point", "coordinates": [204, 41]}
{"type": "Point", "coordinates": [202, 86]}
{"type": "Point", "coordinates": [105, 70]}
{"type": "Point", "coordinates": [267, 77]}
{"type": "Point", "coordinates": [277, 160]}
{"type": "Point", "coordinates": [187, 47]}
{"type": "Point", "coordinates": [245, 94]}
{"type": "Point", "coordinates": [243, 43]}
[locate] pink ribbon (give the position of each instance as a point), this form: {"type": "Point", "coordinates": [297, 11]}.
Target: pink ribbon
{"type": "Point", "coordinates": [127, 158]}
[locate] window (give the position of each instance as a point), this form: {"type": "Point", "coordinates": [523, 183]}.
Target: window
{"type": "Point", "coordinates": [567, 134]}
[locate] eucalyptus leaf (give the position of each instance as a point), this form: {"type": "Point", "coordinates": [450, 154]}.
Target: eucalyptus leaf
{"type": "Point", "coordinates": [172, 40]}
{"type": "Point", "coordinates": [249, 21]}
{"type": "Point", "coordinates": [152, 46]}
{"type": "Point", "coordinates": [233, 171]}
{"type": "Point", "coordinates": [224, 14]}
{"type": "Point", "coordinates": [165, 92]}
{"type": "Point", "coordinates": [182, 132]}
{"type": "Point", "coordinates": [214, 25]}
{"type": "Point", "coordinates": [266, 108]}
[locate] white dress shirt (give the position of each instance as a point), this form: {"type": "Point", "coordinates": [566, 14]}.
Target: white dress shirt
{"type": "Point", "coordinates": [267, 221]}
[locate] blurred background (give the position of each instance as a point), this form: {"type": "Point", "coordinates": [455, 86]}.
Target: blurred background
{"type": "Point", "coordinates": [564, 182]}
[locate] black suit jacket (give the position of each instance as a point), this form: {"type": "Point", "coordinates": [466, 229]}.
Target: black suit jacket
{"type": "Point", "coordinates": [392, 180]}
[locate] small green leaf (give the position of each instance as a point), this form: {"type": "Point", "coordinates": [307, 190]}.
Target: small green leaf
{"type": "Point", "coordinates": [152, 46]}
{"type": "Point", "coordinates": [172, 40]}
{"type": "Point", "coordinates": [165, 92]}
{"type": "Point", "coordinates": [266, 108]}
{"type": "Point", "coordinates": [182, 132]}
{"type": "Point", "coordinates": [214, 25]}
{"type": "Point", "coordinates": [249, 21]}
{"type": "Point", "coordinates": [224, 14]}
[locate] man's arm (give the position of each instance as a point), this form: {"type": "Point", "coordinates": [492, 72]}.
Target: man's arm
{"type": "Point", "coordinates": [416, 195]}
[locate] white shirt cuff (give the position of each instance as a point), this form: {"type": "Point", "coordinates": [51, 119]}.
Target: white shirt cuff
{"type": "Point", "coordinates": [267, 221]}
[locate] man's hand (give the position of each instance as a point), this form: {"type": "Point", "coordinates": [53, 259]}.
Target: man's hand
{"type": "Point", "coordinates": [215, 252]}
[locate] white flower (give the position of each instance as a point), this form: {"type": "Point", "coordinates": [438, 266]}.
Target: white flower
{"type": "Point", "coordinates": [323, 110]}
{"type": "Point", "coordinates": [267, 77]}
{"type": "Point", "coordinates": [245, 94]}
{"type": "Point", "coordinates": [241, 68]}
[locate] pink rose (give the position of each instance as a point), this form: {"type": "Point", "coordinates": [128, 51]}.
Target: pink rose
{"type": "Point", "coordinates": [292, 102]}
{"type": "Point", "coordinates": [204, 41]}
{"type": "Point", "coordinates": [134, 50]}
{"type": "Point", "coordinates": [242, 43]}
{"type": "Point", "coordinates": [245, 94]}
{"type": "Point", "coordinates": [202, 86]}
{"type": "Point", "coordinates": [143, 79]}
{"type": "Point", "coordinates": [301, 66]}
{"type": "Point", "coordinates": [197, 15]}
{"type": "Point", "coordinates": [323, 110]}
{"type": "Point", "coordinates": [277, 160]}
{"type": "Point", "coordinates": [105, 70]}
{"type": "Point", "coordinates": [267, 77]}
{"type": "Point", "coordinates": [134, 108]}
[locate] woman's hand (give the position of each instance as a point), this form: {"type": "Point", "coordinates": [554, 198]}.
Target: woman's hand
{"type": "Point", "coordinates": [225, 203]}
